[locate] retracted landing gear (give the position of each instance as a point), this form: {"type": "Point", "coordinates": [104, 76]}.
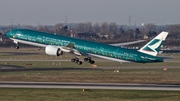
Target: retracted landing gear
{"type": "Point", "coordinates": [76, 60]}
{"type": "Point", "coordinates": [89, 60]}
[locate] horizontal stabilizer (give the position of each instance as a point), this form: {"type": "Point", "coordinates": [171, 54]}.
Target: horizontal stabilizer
{"type": "Point", "coordinates": [127, 43]}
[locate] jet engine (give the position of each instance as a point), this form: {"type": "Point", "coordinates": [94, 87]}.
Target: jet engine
{"type": "Point", "coordinates": [53, 50]}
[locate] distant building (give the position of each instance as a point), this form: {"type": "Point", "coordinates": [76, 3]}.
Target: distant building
{"type": "Point", "coordinates": [94, 35]}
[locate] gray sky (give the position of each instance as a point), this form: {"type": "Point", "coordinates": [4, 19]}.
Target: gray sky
{"type": "Point", "coordinates": [50, 12]}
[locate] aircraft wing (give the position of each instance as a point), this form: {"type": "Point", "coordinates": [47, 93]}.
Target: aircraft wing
{"type": "Point", "coordinates": [127, 43]}
{"type": "Point", "coordinates": [70, 49]}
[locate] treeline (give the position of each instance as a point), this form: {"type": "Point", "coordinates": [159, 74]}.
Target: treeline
{"type": "Point", "coordinates": [111, 32]}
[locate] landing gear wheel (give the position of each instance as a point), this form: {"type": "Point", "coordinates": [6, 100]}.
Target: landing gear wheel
{"type": "Point", "coordinates": [89, 60]}
{"type": "Point", "coordinates": [85, 59]}
{"type": "Point", "coordinates": [76, 60]}
{"type": "Point", "coordinates": [79, 62]}
{"type": "Point", "coordinates": [17, 47]}
{"type": "Point", "coordinates": [73, 60]}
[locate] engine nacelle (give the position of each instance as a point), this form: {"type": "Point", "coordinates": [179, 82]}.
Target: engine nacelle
{"type": "Point", "coordinates": [53, 50]}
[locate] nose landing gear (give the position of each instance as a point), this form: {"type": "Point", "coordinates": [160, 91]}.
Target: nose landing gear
{"type": "Point", "coordinates": [17, 45]}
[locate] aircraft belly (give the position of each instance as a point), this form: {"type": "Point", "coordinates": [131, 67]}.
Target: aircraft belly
{"type": "Point", "coordinates": [107, 58]}
{"type": "Point", "coordinates": [29, 43]}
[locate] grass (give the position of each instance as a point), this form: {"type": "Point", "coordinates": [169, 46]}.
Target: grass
{"type": "Point", "coordinates": [66, 64]}
{"type": "Point", "coordinates": [32, 54]}
{"type": "Point", "coordinates": [132, 75]}
{"type": "Point", "coordinates": [144, 76]}
{"type": "Point", "coordinates": [29, 94]}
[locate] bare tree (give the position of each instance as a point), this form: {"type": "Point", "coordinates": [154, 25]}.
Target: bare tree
{"type": "Point", "coordinates": [44, 29]}
{"type": "Point", "coordinates": [59, 29]}
{"type": "Point", "coordinates": [113, 28]}
{"type": "Point", "coordinates": [149, 27]}
{"type": "Point", "coordinates": [174, 31]}
{"type": "Point", "coordinates": [104, 28]}
{"type": "Point", "coordinates": [80, 28]}
{"type": "Point", "coordinates": [97, 28]}
{"type": "Point", "coordinates": [88, 27]}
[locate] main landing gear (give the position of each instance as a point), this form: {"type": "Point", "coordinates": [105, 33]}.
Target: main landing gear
{"type": "Point", "coordinates": [77, 61]}
{"type": "Point", "coordinates": [89, 60]}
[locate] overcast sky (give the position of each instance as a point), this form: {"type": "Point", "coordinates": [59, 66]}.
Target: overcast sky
{"type": "Point", "coordinates": [50, 12]}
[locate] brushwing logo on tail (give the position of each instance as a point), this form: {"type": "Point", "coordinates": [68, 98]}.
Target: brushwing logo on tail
{"type": "Point", "coordinates": [154, 46]}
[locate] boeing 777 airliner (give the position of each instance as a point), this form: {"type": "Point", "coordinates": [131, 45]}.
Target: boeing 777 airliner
{"type": "Point", "coordinates": [56, 45]}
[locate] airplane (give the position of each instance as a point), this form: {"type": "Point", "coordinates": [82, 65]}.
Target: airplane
{"type": "Point", "coordinates": [56, 45]}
